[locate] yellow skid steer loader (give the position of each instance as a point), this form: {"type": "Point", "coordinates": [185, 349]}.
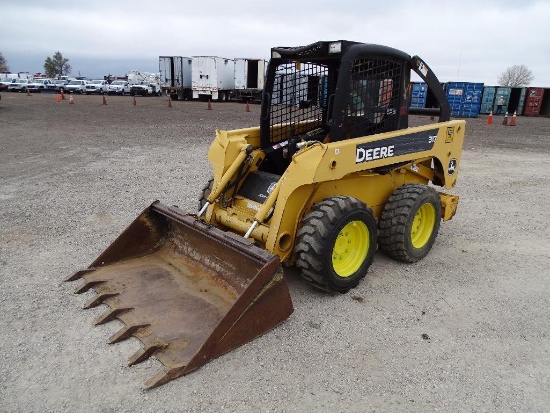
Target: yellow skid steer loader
{"type": "Point", "coordinates": [332, 172]}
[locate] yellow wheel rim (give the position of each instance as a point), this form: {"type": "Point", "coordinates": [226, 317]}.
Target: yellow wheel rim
{"type": "Point", "coordinates": [350, 249]}
{"type": "Point", "coordinates": [423, 225]}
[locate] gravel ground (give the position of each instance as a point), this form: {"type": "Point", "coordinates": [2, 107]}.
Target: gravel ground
{"type": "Point", "coordinates": [465, 329]}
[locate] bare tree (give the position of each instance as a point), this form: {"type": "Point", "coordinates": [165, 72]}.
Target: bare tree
{"type": "Point", "coordinates": [3, 64]}
{"type": "Point", "coordinates": [517, 75]}
{"type": "Point", "coordinates": [57, 65]}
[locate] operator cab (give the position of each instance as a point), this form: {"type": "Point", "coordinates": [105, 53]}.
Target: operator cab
{"type": "Point", "coordinates": [329, 91]}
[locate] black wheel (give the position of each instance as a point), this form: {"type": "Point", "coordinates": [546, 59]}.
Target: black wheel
{"type": "Point", "coordinates": [205, 192]}
{"type": "Point", "coordinates": [336, 245]}
{"type": "Point", "coordinates": [410, 222]}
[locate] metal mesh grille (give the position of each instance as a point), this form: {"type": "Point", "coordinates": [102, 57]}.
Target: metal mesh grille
{"type": "Point", "coordinates": [298, 99]}
{"type": "Point", "coordinates": [373, 101]}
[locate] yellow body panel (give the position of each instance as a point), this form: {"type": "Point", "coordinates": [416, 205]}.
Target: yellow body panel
{"type": "Point", "coordinates": [322, 170]}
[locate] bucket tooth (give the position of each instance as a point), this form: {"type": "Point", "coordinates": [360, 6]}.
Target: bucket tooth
{"type": "Point", "coordinates": [87, 285]}
{"type": "Point", "coordinates": [109, 315]}
{"type": "Point", "coordinates": [125, 333]}
{"type": "Point", "coordinates": [144, 353]}
{"type": "Point", "coordinates": [98, 299]}
{"type": "Point", "coordinates": [79, 274]}
{"type": "Point", "coordinates": [164, 376]}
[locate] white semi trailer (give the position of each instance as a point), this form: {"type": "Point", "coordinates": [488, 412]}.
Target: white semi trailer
{"type": "Point", "coordinates": [212, 77]}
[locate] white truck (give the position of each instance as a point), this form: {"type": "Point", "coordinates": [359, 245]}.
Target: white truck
{"type": "Point", "coordinates": [249, 79]}
{"type": "Point", "coordinates": [175, 76]}
{"type": "Point", "coordinates": [144, 83]}
{"type": "Point", "coordinates": [98, 86]}
{"type": "Point", "coordinates": [118, 87]}
{"type": "Point", "coordinates": [212, 77]}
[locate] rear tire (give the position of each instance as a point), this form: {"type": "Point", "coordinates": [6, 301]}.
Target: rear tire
{"type": "Point", "coordinates": [336, 245]}
{"type": "Point", "coordinates": [410, 222]}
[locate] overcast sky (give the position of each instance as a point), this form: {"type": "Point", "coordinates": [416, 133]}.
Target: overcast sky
{"type": "Point", "coordinates": [467, 40]}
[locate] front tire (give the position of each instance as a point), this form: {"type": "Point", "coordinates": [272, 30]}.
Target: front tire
{"type": "Point", "coordinates": [336, 244]}
{"type": "Point", "coordinates": [410, 222]}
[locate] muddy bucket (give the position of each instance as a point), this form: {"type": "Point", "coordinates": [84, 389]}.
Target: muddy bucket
{"type": "Point", "coordinates": [188, 291]}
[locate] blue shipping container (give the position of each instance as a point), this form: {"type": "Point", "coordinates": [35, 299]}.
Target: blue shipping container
{"type": "Point", "coordinates": [419, 94]}
{"type": "Point", "coordinates": [464, 98]}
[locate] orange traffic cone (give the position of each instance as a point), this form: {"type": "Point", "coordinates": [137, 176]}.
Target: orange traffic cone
{"type": "Point", "coordinates": [247, 107]}
{"type": "Point", "coordinates": [71, 100]}
{"type": "Point", "coordinates": [169, 102]}
{"type": "Point", "coordinates": [513, 120]}
{"type": "Point", "coordinates": [505, 120]}
{"type": "Point", "coordinates": [104, 101]}
{"type": "Point", "coordinates": [62, 94]}
{"type": "Point", "coordinates": [135, 103]}
{"type": "Point", "coordinates": [490, 118]}
{"type": "Point", "coordinates": [28, 92]}
{"type": "Point", "coordinates": [57, 97]}
{"type": "Point", "coordinates": [209, 105]}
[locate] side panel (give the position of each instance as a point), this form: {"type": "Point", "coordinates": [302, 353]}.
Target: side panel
{"type": "Point", "coordinates": [225, 71]}
{"type": "Point", "coordinates": [166, 71]}
{"type": "Point", "coordinates": [187, 65]}
{"type": "Point", "coordinates": [240, 73]}
{"type": "Point", "coordinates": [401, 155]}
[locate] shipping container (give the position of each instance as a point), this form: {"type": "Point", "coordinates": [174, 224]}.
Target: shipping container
{"type": "Point", "coordinates": [175, 76]}
{"type": "Point", "coordinates": [249, 77]}
{"type": "Point", "coordinates": [533, 101]}
{"type": "Point", "coordinates": [464, 98]}
{"type": "Point", "coordinates": [212, 77]}
{"type": "Point", "coordinates": [419, 94]}
{"type": "Point", "coordinates": [514, 99]}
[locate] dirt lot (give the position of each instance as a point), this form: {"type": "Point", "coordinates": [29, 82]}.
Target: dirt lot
{"type": "Point", "coordinates": [74, 176]}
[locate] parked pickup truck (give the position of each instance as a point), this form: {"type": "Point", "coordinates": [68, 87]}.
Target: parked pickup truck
{"type": "Point", "coordinates": [76, 86]}
{"type": "Point", "coordinates": [20, 85]}
{"type": "Point", "coordinates": [118, 87]}
{"type": "Point", "coordinates": [97, 86]}
{"type": "Point", "coordinates": [145, 89]}
{"type": "Point", "coordinates": [38, 85]}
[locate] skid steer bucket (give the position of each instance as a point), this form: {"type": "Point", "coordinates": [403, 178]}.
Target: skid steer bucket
{"type": "Point", "coordinates": [188, 291]}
